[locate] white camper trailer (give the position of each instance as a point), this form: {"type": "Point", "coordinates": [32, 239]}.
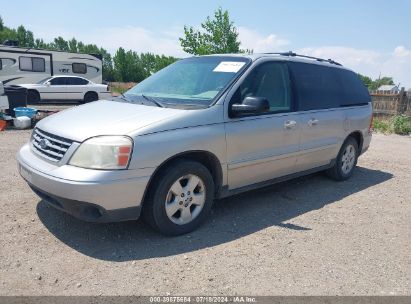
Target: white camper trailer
{"type": "Point", "coordinates": [26, 65]}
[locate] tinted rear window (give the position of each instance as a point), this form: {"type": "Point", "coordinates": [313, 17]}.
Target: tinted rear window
{"type": "Point", "coordinates": [354, 91]}
{"type": "Point", "coordinates": [322, 87]}
{"type": "Point", "coordinates": [317, 87]}
{"type": "Point", "coordinates": [77, 81]}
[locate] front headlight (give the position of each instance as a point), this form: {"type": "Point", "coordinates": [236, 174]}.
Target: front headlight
{"type": "Point", "coordinates": [103, 152]}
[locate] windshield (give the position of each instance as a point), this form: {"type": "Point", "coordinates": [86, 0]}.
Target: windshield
{"type": "Point", "coordinates": [194, 81]}
{"type": "Point", "coordinates": [44, 80]}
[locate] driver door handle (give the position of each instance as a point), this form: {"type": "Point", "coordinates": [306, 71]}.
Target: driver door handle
{"type": "Point", "coordinates": [313, 122]}
{"type": "Point", "coordinates": [290, 124]}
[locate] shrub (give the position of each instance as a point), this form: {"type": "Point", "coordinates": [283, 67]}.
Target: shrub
{"type": "Point", "coordinates": [382, 126]}
{"type": "Point", "coordinates": [401, 124]}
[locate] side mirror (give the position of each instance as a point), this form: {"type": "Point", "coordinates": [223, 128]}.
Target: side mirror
{"type": "Point", "coordinates": [47, 84]}
{"type": "Point", "coordinates": [251, 105]}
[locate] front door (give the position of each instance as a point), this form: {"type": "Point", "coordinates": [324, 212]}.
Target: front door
{"type": "Point", "coordinates": [55, 89]}
{"type": "Point", "coordinates": [263, 147]}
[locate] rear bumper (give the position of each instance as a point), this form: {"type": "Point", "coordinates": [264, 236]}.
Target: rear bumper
{"type": "Point", "coordinates": [366, 143]}
{"type": "Point", "coordinates": [91, 195]}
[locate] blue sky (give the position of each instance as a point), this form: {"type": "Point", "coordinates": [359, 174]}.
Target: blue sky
{"type": "Point", "coordinates": [371, 37]}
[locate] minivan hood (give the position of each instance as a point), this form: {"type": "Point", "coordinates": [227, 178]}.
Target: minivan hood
{"type": "Point", "coordinates": [103, 118]}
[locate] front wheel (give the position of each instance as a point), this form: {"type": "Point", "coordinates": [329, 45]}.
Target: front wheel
{"type": "Point", "coordinates": [346, 161]}
{"type": "Point", "coordinates": [180, 199]}
{"type": "Point", "coordinates": [33, 97]}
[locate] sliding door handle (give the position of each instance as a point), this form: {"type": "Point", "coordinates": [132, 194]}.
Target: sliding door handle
{"type": "Point", "coordinates": [290, 124]}
{"type": "Point", "coordinates": [313, 122]}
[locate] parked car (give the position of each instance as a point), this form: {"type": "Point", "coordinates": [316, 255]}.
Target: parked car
{"type": "Point", "coordinates": [201, 129]}
{"type": "Point", "coordinates": [66, 88]}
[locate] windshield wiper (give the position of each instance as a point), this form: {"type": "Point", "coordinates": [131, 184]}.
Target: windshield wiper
{"type": "Point", "coordinates": [122, 96]}
{"type": "Point", "coordinates": [152, 100]}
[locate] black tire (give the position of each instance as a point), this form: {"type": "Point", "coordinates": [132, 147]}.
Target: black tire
{"type": "Point", "coordinates": [154, 209]}
{"type": "Point", "coordinates": [337, 172]}
{"type": "Point", "coordinates": [90, 96]}
{"type": "Point", "coordinates": [33, 97]}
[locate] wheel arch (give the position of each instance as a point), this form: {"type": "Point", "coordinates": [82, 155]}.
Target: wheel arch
{"type": "Point", "coordinates": [206, 158]}
{"type": "Point", "coordinates": [90, 92]}
{"type": "Point", "coordinates": [34, 91]}
{"type": "Point", "coordinates": [357, 135]}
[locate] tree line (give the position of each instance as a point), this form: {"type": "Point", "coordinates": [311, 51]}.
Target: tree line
{"type": "Point", "coordinates": [217, 35]}
{"type": "Point", "coordinates": [373, 85]}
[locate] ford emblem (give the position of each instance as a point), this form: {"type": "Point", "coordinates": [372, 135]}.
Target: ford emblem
{"type": "Point", "coordinates": [44, 143]}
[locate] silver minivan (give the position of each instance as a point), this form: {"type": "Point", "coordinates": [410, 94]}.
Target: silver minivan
{"type": "Point", "coordinates": [201, 129]}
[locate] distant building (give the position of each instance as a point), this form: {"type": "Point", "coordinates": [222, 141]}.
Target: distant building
{"type": "Point", "coordinates": [389, 88]}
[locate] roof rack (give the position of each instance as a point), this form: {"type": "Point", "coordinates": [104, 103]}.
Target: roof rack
{"type": "Point", "coordinates": [292, 54]}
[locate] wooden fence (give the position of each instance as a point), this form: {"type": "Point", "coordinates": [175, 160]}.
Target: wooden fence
{"type": "Point", "coordinates": [123, 85]}
{"type": "Point", "coordinates": [390, 104]}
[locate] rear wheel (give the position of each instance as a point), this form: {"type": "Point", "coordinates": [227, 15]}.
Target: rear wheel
{"type": "Point", "coordinates": [90, 96]}
{"type": "Point", "coordinates": [33, 96]}
{"type": "Point", "coordinates": [180, 199]}
{"type": "Point", "coordinates": [346, 161]}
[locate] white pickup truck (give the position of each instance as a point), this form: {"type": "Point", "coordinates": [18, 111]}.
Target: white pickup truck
{"type": "Point", "coordinates": [66, 88]}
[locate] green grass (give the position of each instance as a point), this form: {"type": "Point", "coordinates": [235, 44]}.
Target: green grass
{"type": "Point", "coordinates": [400, 124]}
{"type": "Point", "coordinates": [381, 126]}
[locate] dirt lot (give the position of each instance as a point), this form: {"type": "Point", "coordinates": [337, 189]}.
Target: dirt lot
{"type": "Point", "coordinates": [310, 236]}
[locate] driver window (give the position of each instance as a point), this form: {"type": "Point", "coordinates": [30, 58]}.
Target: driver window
{"type": "Point", "coordinates": [269, 80]}
{"type": "Point", "coordinates": [58, 81]}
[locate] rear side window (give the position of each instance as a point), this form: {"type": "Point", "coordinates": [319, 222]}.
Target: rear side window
{"type": "Point", "coordinates": [354, 91]}
{"type": "Point", "coordinates": [316, 86]}
{"type": "Point", "coordinates": [32, 64]}
{"type": "Point", "coordinates": [79, 68]}
{"type": "Point", "coordinates": [77, 81]}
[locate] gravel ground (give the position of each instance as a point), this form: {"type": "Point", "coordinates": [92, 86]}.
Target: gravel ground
{"type": "Point", "coordinates": [309, 236]}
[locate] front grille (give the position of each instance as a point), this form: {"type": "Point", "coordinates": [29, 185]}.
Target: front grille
{"type": "Point", "coordinates": [50, 146]}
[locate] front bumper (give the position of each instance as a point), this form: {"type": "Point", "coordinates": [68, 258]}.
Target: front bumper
{"type": "Point", "coordinates": [91, 195]}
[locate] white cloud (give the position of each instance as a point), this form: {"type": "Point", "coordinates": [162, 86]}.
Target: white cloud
{"type": "Point", "coordinates": [350, 56]}
{"type": "Point", "coordinates": [138, 39]}
{"type": "Point", "coordinates": [141, 40]}
{"type": "Point", "coordinates": [396, 64]}
{"type": "Point", "coordinates": [401, 51]}
{"type": "Point", "coordinates": [253, 40]}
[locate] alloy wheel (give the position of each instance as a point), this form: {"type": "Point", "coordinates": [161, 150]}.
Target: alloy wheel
{"type": "Point", "coordinates": [348, 159]}
{"type": "Point", "coordinates": [185, 199]}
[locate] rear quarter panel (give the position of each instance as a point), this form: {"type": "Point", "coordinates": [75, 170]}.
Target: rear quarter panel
{"type": "Point", "coordinates": [358, 118]}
